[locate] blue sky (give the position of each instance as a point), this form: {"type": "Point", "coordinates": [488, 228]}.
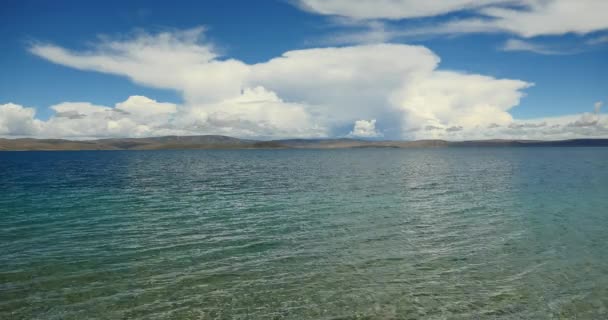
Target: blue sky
{"type": "Point", "coordinates": [568, 68]}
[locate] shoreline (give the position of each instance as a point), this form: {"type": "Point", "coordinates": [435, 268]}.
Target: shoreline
{"type": "Point", "coordinates": [214, 142]}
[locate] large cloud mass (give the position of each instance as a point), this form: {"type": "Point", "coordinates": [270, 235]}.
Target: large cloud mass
{"type": "Point", "coordinates": [303, 93]}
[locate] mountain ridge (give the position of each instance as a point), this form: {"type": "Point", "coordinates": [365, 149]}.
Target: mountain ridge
{"type": "Point", "coordinates": [226, 142]}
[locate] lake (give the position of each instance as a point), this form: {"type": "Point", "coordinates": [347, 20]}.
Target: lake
{"type": "Point", "coordinates": [457, 233]}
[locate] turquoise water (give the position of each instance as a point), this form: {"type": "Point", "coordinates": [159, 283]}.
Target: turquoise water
{"type": "Point", "coordinates": [491, 233]}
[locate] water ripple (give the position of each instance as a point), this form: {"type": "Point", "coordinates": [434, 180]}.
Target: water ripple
{"type": "Point", "coordinates": [304, 234]}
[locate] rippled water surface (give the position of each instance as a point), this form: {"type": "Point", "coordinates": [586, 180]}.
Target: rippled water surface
{"type": "Point", "coordinates": [305, 234]}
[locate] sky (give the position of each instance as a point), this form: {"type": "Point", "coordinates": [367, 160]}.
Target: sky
{"type": "Point", "coordinates": [269, 69]}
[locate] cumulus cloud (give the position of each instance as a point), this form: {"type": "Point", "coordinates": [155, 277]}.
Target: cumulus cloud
{"type": "Point", "coordinates": [342, 85]}
{"type": "Point", "coordinates": [302, 93]}
{"type": "Point", "coordinates": [255, 113]}
{"type": "Point", "coordinates": [589, 119]}
{"type": "Point", "coordinates": [77, 120]}
{"type": "Point", "coordinates": [145, 107]}
{"type": "Point", "coordinates": [365, 129]}
{"type": "Point", "coordinates": [585, 125]}
{"type": "Point", "coordinates": [526, 18]}
{"type": "Point", "coordinates": [18, 120]}
{"type": "Point", "coordinates": [444, 99]}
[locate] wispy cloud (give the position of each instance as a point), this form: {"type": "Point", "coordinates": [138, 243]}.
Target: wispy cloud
{"type": "Point", "coordinates": [391, 9]}
{"type": "Point", "coordinates": [524, 18]}
{"type": "Point", "coordinates": [523, 45]}
{"type": "Point", "coordinates": [598, 40]}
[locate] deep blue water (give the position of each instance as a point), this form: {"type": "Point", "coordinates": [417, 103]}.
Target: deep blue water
{"type": "Point", "coordinates": [490, 233]}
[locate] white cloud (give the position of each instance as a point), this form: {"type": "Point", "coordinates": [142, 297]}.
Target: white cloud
{"type": "Point", "coordinates": [145, 107]}
{"type": "Point", "coordinates": [176, 60]}
{"type": "Point", "coordinates": [447, 99]}
{"type": "Point", "coordinates": [341, 85]}
{"type": "Point", "coordinates": [17, 120]}
{"type": "Point", "coordinates": [585, 125]}
{"type": "Point", "coordinates": [553, 17]}
{"type": "Point", "coordinates": [391, 9]}
{"type": "Point", "coordinates": [99, 121]}
{"type": "Point", "coordinates": [521, 45]}
{"type": "Point", "coordinates": [598, 40]}
{"type": "Point", "coordinates": [365, 129]}
{"type": "Point", "coordinates": [365, 32]}
{"type": "Point", "coordinates": [526, 18]}
{"type": "Point", "coordinates": [85, 120]}
{"type": "Point", "coordinates": [324, 87]}
{"type": "Point", "coordinates": [598, 106]}
{"type": "Point", "coordinates": [256, 112]}
{"type": "Point", "coordinates": [302, 93]}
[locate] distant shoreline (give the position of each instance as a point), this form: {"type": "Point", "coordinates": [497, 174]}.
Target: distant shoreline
{"type": "Point", "coordinates": [225, 142]}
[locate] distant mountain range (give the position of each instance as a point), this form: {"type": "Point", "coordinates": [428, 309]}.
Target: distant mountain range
{"type": "Point", "coordinates": [224, 142]}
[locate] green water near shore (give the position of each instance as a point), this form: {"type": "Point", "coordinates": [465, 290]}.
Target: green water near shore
{"type": "Point", "coordinates": [492, 233]}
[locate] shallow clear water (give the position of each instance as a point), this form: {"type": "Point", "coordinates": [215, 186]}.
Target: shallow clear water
{"type": "Point", "coordinates": [485, 233]}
